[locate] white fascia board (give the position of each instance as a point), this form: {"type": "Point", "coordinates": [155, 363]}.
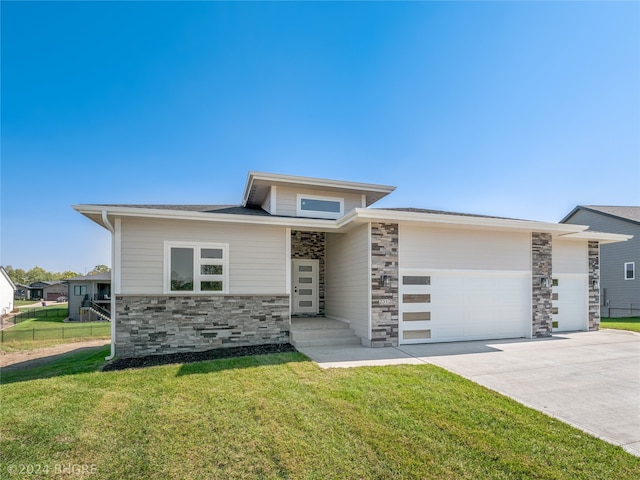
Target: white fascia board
{"type": "Point", "coordinates": [601, 237]}
{"type": "Point", "coordinates": [309, 223]}
{"type": "Point", "coordinates": [368, 215]}
{"type": "Point", "coordinates": [316, 182]}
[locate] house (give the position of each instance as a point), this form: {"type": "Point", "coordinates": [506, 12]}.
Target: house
{"type": "Point", "coordinates": [7, 289]}
{"type": "Point", "coordinates": [49, 290]}
{"type": "Point", "coordinates": [90, 297]}
{"type": "Point", "coordinates": [197, 277]}
{"type": "Point", "coordinates": [619, 277]}
{"type": "Point", "coordinates": [22, 292]}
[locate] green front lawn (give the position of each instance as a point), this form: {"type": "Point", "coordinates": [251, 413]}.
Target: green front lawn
{"type": "Point", "coordinates": [47, 329]}
{"type": "Point", "coordinates": [281, 416]}
{"type": "Point", "coordinates": [629, 323]}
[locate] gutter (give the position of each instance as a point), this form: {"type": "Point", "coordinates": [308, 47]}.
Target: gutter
{"type": "Point", "coordinates": [108, 224]}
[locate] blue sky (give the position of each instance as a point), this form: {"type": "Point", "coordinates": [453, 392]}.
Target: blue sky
{"type": "Point", "coordinates": [518, 109]}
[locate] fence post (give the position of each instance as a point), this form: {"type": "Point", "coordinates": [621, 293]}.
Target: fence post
{"type": "Point", "coordinates": [33, 334]}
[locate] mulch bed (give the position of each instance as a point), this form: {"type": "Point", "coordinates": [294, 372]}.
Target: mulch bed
{"type": "Point", "coordinates": [190, 357]}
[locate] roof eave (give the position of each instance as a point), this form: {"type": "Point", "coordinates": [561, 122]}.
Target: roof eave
{"type": "Point", "coordinates": [363, 214]}
{"type": "Point", "coordinates": [94, 210]}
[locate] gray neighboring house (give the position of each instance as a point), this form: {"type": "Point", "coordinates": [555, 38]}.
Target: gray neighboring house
{"type": "Point", "coordinates": [47, 290]}
{"type": "Point", "coordinates": [619, 262]}
{"type": "Point", "coordinates": [90, 297]}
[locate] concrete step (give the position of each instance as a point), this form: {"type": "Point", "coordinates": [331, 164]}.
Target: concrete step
{"type": "Point", "coordinates": [318, 324]}
{"type": "Point", "coordinates": [320, 332]}
{"type": "Point", "coordinates": [321, 342]}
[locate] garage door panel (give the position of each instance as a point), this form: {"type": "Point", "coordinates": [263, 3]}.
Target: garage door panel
{"type": "Point", "coordinates": [471, 305]}
{"type": "Point", "coordinates": [571, 301]}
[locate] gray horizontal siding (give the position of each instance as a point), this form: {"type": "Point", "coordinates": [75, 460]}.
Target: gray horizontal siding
{"type": "Point", "coordinates": [617, 294]}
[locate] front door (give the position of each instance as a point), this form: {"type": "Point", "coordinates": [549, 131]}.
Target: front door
{"type": "Point", "coordinates": [305, 286]}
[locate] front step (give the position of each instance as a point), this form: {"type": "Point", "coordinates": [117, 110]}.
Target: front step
{"type": "Point", "coordinates": [321, 332]}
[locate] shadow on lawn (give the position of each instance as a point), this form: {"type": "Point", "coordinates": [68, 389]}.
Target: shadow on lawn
{"type": "Point", "coordinates": [81, 360]}
{"type": "Point", "coordinates": [87, 360]}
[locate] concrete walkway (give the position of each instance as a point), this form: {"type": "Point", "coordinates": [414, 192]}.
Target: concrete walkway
{"type": "Point", "coordinates": [590, 380]}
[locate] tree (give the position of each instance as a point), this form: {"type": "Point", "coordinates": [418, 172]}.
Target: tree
{"type": "Point", "coordinates": [65, 275]}
{"type": "Point", "coordinates": [99, 269]}
{"type": "Point", "coordinates": [17, 275]}
{"type": "Point", "coordinates": [38, 274]}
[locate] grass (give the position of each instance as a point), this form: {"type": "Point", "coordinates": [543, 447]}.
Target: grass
{"type": "Point", "coordinates": [47, 329]}
{"type": "Point", "coordinates": [281, 416]}
{"type": "Point", "coordinates": [628, 323]}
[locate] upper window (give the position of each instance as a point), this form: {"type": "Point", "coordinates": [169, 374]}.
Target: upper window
{"type": "Point", "coordinates": [196, 267]}
{"type": "Point", "coordinates": [79, 290]}
{"type": "Point", "coordinates": [320, 207]}
{"type": "Point", "coordinates": [630, 271]}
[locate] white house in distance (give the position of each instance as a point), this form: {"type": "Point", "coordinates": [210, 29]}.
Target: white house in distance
{"type": "Point", "coordinates": [197, 277]}
{"type": "Point", "coordinates": [7, 289]}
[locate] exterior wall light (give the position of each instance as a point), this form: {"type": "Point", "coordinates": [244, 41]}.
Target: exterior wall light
{"type": "Point", "coordinates": [386, 281]}
{"type": "Point", "coordinates": [596, 285]}
{"type": "Point", "coordinates": [544, 282]}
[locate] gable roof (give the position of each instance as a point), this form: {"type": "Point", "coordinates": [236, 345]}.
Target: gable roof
{"type": "Point", "coordinates": [627, 213]}
{"type": "Point", "coordinates": [8, 278]}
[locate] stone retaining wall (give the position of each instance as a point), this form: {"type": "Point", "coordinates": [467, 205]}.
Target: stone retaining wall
{"type": "Point", "coordinates": [160, 324]}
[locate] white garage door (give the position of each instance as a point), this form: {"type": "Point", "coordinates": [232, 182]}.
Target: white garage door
{"type": "Point", "coordinates": [454, 305]}
{"type": "Point", "coordinates": [570, 302]}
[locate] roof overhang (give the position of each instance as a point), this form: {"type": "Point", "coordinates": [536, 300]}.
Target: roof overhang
{"type": "Point", "coordinates": [458, 221]}
{"type": "Point", "coordinates": [601, 237]}
{"type": "Point", "coordinates": [101, 214]}
{"type": "Point", "coordinates": [259, 185]}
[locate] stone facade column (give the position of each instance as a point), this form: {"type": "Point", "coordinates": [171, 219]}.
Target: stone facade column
{"type": "Point", "coordinates": [541, 273]}
{"type": "Point", "coordinates": [312, 246]}
{"type": "Point", "coordinates": [594, 286]}
{"type": "Point", "coordinates": [384, 285]}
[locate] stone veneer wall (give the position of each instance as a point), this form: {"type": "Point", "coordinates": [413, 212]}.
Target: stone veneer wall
{"type": "Point", "coordinates": [541, 270]}
{"type": "Point", "coordinates": [594, 293]}
{"type": "Point", "coordinates": [384, 300]}
{"type": "Point", "coordinates": [160, 324]}
{"type": "Point", "coordinates": [312, 246]}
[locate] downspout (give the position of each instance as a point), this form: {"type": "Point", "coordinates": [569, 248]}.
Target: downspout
{"type": "Point", "coordinates": [107, 223]}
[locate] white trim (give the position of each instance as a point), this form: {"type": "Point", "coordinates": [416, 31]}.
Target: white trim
{"type": "Point", "coordinates": [274, 200]}
{"type": "Point", "coordinates": [116, 267]}
{"type": "Point", "coordinates": [363, 200]}
{"type": "Point", "coordinates": [633, 270]}
{"type": "Point", "coordinates": [467, 271]}
{"type": "Point", "coordinates": [317, 182]}
{"type": "Point", "coordinates": [369, 312]}
{"type": "Point", "coordinates": [319, 213]}
{"type": "Point", "coordinates": [197, 262]}
{"type": "Point", "coordinates": [359, 215]}
{"type": "Point", "coordinates": [287, 269]}
{"type": "Point", "coordinates": [110, 227]}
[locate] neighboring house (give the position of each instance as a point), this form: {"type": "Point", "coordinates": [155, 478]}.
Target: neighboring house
{"type": "Point", "coordinates": [22, 292]}
{"type": "Point", "coordinates": [197, 277]}
{"type": "Point", "coordinates": [7, 289]}
{"type": "Point", "coordinates": [48, 291]}
{"type": "Point", "coordinates": [90, 297]}
{"type": "Point", "coordinates": [619, 262]}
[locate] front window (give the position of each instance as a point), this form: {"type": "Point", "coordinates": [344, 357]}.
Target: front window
{"type": "Point", "coordinates": [630, 271]}
{"type": "Point", "coordinates": [196, 267]}
{"type": "Point", "coordinates": [79, 290]}
{"type": "Point", "coordinates": [320, 207]}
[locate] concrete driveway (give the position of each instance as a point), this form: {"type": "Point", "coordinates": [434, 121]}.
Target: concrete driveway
{"type": "Point", "coordinates": [590, 380]}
